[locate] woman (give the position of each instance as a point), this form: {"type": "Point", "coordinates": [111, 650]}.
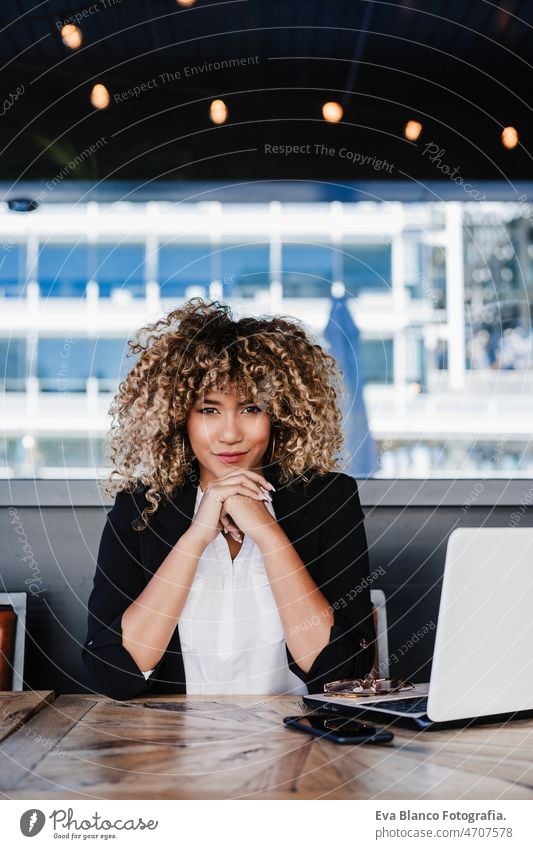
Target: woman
{"type": "Point", "coordinates": [234, 558]}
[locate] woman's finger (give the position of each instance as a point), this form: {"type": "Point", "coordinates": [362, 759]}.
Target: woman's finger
{"type": "Point", "coordinates": [230, 527]}
{"type": "Point", "coordinates": [242, 474]}
{"type": "Point", "coordinates": [247, 484]}
{"type": "Point", "coordinates": [223, 493]}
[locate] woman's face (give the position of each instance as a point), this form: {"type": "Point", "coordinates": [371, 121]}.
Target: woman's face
{"type": "Point", "coordinates": [221, 424]}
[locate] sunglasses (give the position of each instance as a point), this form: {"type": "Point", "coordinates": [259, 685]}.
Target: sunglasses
{"type": "Point", "coordinates": [367, 686]}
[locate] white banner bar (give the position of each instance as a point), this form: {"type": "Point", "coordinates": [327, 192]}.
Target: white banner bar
{"type": "Point", "coordinates": [264, 824]}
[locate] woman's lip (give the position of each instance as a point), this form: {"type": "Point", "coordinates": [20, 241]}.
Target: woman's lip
{"type": "Point", "coordinates": [240, 454]}
{"type": "Point", "coordinates": [230, 458]}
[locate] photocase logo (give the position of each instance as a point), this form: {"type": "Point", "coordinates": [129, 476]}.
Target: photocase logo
{"type": "Point", "coordinates": [32, 822]}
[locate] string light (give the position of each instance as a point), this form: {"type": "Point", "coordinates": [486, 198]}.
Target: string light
{"type": "Point", "coordinates": [510, 137]}
{"type": "Point", "coordinates": [412, 130]}
{"type": "Point", "coordinates": [71, 36]}
{"type": "Point", "coordinates": [100, 97]}
{"type": "Point", "coordinates": [218, 111]}
{"type": "Point", "coordinates": [185, 2]}
{"type": "Point", "coordinates": [332, 112]}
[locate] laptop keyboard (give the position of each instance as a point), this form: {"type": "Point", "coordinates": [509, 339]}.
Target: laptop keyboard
{"type": "Point", "coordinates": [419, 705]}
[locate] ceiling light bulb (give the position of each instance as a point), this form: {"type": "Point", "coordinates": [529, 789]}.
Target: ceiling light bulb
{"type": "Point", "coordinates": [100, 97]}
{"type": "Point", "coordinates": [332, 112]}
{"type": "Point", "coordinates": [71, 36]}
{"type": "Point", "coordinates": [412, 130]}
{"type": "Point", "coordinates": [509, 137]}
{"type": "Point", "coordinates": [218, 111]}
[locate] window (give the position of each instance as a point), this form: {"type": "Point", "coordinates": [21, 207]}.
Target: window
{"type": "Point", "coordinates": [426, 278]}
{"type": "Point", "coordinates": [448, 377]}
{"type": "Point", "coordinates": [244, 269]}
{"type": "Point", "coordinates": [307, 271]}
{"type": "Point", "coordinates": [63, 365]}
{"type": "Point", "coordinates": [119, 268]}
{"type": "Point", "coordinates": [12, 269]}
{"type": "Point", "coordinates": [377, 362]}
{"type": "Point", "coordinates": [63, 270]}
{"type": "Point", "coordinates": [497, 294]}
{"type": "Point", "coordinates": [367, 268]}
{"type": "Point", "coordinates": [71, 452]}
{"type": "Point", "coordinates": [110, 362]}
{"type": "Point", "coordinates": [13, 364]}
{"type": "Point", "coordinates": [181, 266]}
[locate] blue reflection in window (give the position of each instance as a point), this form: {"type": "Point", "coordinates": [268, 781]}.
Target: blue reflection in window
{"type": "Point", "coordinates": [307, 271]}
{"type": "Point", "coordinates": [377, 360]}
{"type": "Point", "coordinates": [244, 270]}
{"type": "Point", "coordinates": [63, 365]}
{"type": "Point", "coordinates": [119, 267]}
{"type": "Point", "coordinates": [366, 268]}
{"type": "Point", "coordinates": [63, 271]}
{"type": "Point", "coordinates": [110, 361]}
{"type": "Point", "coordinates": [13, 364]}
{"type": "Point", "coordinates": [12, 269]}
{"type": "Point", "coordinates": [181, 266]}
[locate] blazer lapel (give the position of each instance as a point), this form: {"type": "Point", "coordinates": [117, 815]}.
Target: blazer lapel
{"type": "Point", "coordinates": [175, 515]}
{"type": "Point", "coordinates": [289, 502]}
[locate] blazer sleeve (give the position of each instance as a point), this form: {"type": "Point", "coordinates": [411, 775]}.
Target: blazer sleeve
{"type": "Point", "coordinates": [118, 581]}
{"type": "Point", "coordinates": [342, 575]}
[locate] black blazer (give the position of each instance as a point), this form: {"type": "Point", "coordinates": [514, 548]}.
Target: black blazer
{"type": "Point", "coordinates": [324, 522]}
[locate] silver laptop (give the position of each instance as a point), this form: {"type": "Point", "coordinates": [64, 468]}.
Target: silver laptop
{"type": "Point", "coordinates": [483, 659]}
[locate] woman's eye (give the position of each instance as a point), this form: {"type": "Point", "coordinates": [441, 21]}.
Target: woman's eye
{"type": "Point", "coordinates": [211, 409]}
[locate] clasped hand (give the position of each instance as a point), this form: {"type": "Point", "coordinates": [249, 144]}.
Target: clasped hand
{"type": "Point", "coordinates": [234, 503]}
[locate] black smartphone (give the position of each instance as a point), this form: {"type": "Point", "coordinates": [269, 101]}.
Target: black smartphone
{"type": "Point", "coordinates": [339, 729]}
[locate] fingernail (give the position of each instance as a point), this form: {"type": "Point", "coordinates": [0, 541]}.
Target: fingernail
{"type": "Point", "coordinates": [237, 537]}
{"type": "Point", "coordinates": [225, 530]}
{"type": "Point", "coordinates": [273, 488]}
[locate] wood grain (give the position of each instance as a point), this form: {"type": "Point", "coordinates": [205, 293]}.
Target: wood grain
{"type": "Point", "coordinates": [230, 747]}
{"type": "Point", "coordinates": [40, 737]}
{"type": "Point", "coordinates": [17, 707]}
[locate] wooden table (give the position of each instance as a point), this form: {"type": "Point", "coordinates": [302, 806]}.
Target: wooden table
{"type": "Point", "coordinates": [229, 747]}
{"type": "Point", "coordinates": [16, 708]}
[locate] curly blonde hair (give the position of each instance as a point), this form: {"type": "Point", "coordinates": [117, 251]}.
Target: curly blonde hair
{"type": "Point", "coordinates": [199, 347]}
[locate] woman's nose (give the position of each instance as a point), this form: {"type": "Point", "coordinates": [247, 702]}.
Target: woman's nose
{"type": "Point", "coordinates": [230, 427]}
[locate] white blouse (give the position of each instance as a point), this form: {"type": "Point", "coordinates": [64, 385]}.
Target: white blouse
{"type": "Point", "coordinates": [231, 636]}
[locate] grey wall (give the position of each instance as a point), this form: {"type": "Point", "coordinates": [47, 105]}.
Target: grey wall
{"type": "Point", "coordinates": [56, 527]}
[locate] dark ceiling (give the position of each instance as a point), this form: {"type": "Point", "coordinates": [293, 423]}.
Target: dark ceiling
{"type": "Point", "coordinates": [461, 68]}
